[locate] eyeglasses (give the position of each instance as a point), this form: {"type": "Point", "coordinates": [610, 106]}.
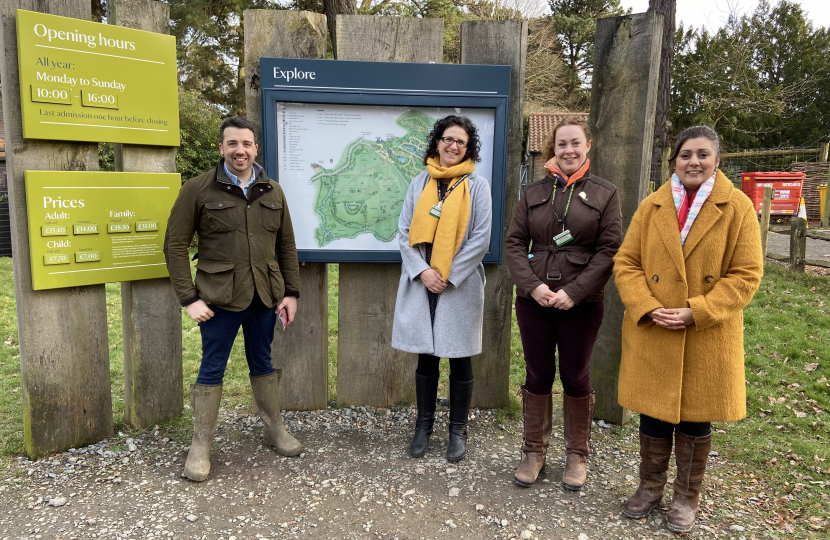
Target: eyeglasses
{"type": "Point", "coordinates": [449, 141]}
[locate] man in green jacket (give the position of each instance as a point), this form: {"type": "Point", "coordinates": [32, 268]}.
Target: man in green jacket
{"type": "Point", "coordinates": [246, 274]}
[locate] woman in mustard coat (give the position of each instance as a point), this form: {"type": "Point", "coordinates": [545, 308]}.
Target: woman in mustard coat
{"type": "Point", "coordinates": [690, 262]}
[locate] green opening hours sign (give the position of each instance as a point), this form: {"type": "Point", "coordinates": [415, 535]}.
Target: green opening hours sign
{"type": "Point", "coordinates": [85, 81]}
{"type": "Point", "coordinates": [97, 227]}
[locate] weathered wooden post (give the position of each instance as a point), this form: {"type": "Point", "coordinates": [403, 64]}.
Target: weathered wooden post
{"type": "Point", "coordinates": [152, 316]}
{"type": "Point", "coordinates": [798, 244]}
{"type": "Point", "coordinates": [623, 101]}
{"type": "Point", "coordinates": [501, 43]}
{"type": "Point", "coordinates": [825, 214]}
{"type": "Point", "coordinates": [369, 370]}
{"type": "Point", "coordinates": [64, 352]}
{"type": "Point", "coordinates": [765, 211]}
{"type": "Point", "coordinates": [301, 352]}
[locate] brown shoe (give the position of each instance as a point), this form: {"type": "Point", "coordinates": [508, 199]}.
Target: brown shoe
{"type": "Point", "coordinates": [538, 417]}
{"type": "Point", "coordinates": [691, 454]}
{"type": "Point", "coordinates": [655, 455]}
{"type": "Point", "coordinates": [578, 415]}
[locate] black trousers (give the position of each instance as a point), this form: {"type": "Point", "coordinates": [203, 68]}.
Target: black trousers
{"type": "Point", "coordinates": [461, 369]}
{"type": "Point", "coordinates": [664, 430]}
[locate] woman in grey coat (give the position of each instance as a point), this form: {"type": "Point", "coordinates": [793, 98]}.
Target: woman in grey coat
{"type": "Point", "coordinates": [444, 232]}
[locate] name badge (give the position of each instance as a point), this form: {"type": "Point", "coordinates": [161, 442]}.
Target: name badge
{"type": "Point", "coordinates": [435, 211]}
{"type": "Point", "coordinates": [562, 238]}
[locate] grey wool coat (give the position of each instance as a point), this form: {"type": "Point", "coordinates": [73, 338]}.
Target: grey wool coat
{"type": "Point", "coordinates": [460, 312]}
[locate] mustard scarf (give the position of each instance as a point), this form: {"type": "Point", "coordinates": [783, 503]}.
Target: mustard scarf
{"type": "Point", "coordinates": [445, 234]}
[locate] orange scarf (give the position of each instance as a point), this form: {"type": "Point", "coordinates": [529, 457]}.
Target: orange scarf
{"type": "Point", "coordinates": [553, 167]}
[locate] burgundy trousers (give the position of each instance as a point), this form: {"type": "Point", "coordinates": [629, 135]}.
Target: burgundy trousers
{"type": "Point", "coordinates": [572, 331]}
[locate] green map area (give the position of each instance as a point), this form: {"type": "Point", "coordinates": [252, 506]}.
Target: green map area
{"type": "Point", "coordinates": [364, 191]}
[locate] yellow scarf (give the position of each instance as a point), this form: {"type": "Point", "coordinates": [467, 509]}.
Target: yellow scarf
{"type": "Point", "coordinates": [445, 234]}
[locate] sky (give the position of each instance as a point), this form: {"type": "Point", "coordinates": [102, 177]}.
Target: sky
{"type": "Point", "coordinates": [713, 13]}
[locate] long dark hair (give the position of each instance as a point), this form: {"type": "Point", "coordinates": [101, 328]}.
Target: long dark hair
{"type": "Point", "coordinates": [473, 144]}
{"type": "Point", "coordinates": [695, 132]}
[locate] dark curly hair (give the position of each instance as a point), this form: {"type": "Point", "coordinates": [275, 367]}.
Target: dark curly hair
{"type": "Point", "coordinates": [473, 144]}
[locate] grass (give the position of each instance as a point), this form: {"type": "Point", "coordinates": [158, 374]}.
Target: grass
{"type": "Point", "coordinates": [783, 443]}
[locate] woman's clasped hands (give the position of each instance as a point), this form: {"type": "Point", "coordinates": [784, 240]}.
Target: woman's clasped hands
{"type": "Point", "coordinates": [672, 319]}
{"type": "Point", "coordinates": [548, 298]}
{"type": "Point", "coordinates": [433, 281]}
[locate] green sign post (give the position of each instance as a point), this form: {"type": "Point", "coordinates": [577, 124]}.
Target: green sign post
{"type": "Point", "coordinates": [97, 227]}
{"type": "Point", "coordinates": [85, 81]}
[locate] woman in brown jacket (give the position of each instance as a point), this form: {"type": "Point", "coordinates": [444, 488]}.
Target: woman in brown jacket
{"type": "Point", "coordinates": [560, 247]}
{"type": "Point", "coordinates": [691, 261]}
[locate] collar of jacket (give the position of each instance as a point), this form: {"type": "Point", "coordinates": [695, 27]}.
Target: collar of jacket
{"type": "Point", "coordinates": [667, 224]}
{"type": "Point", "coordinates": [221, 178]}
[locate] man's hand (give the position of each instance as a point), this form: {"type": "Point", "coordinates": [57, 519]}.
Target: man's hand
{"type": "Point", "coordinates": [561, 300]}
{"type": "Point", "coordinates": [199, 311]}
{"type": "Point", "coordinates": [672, 319]}
{"type": "Point", "coordinates": [543, 295]}
{"type": "Point", "coordinates": [290, 305]}
{"type": "Point", "coordinates": [433, 281]}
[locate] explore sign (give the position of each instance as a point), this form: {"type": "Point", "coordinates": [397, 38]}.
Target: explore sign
{"type": "Point", "coordinates": [85, 81]}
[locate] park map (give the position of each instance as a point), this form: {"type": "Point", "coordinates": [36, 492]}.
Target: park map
{"type": "Point", "coordinates": [364, 191]}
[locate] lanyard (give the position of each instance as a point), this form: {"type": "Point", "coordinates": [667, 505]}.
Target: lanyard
{"type": "Point", "coordinates": [567, 206]}
{"type": "Point", "coordinates": [447, 194]}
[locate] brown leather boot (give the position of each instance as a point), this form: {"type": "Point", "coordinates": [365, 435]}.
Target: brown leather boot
{"type": "Point", "coordinates": [691, 454]}
{"type": "Point", "coordinates": [578, 415]}
{"type": "Point", "coordinates": [655, 455]}
{"type": "Point", "coordinates": [538, 417]}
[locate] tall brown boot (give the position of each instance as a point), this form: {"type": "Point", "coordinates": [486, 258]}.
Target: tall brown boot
{"type": "Point", "coordinates": [205, 401]}
{"type": "Point", "coordinates": [655, 455]}
{"type": "Point", "coordinates": [538, 417]}
{"type": "Point", "coordinates": [691, 454]}
{"type": "Point", "coordinates": [266, 393]}
{"type": "Point", "coordinates": [578, 415]}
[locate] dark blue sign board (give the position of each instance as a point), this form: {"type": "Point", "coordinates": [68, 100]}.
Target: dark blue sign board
{"type": "Point", "coordinates": [291, 82]}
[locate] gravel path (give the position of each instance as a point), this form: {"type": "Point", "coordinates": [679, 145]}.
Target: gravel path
{"type": "Point", "coordinates": [356, 480]}
{"type": "Point", "coordinates": [816, 249]}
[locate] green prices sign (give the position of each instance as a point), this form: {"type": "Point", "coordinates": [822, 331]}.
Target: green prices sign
{"type": "Point", "coordinates": [97, 227]}
{"type": "Point", "coordinates": [85, 81]}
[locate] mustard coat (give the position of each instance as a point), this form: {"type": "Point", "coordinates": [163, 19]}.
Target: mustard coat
{"type": "Point", "coordinates": [696, 374]}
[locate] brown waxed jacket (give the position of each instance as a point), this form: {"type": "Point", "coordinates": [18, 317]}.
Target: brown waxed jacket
{"type": "Point", "coordinates": [245, 243]}
{"type": "Point", "coordinates": [582, 267]}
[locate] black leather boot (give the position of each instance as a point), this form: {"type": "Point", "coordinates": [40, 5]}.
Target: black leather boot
{"type": "Point", "coordinates": [460, 395]}
{"type": "Point", "coordinates": [426, 391]}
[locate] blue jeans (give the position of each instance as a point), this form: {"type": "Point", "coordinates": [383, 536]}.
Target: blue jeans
{"type": "Point", "coordinates": [219, 333]}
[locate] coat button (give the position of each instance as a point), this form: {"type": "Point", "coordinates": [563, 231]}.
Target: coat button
{"type": "Point", "coordinates": [655, 278]}
{"type": "Point", "coordinates": [708, 279]}
{"type": "Point", "coordinates": [219, 205]}
{"type": "Point", "coordinates": [272, 205]}
{"type": "Point", "coordinates": [250, 234]}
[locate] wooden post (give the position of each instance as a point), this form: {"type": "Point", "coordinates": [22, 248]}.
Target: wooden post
{"type": "Point", "coordinates": [765, 211]}
{"type": "Point", "coordinates": [369, 370]}
{"type": "Point", "coordinates": [502, 43]}
{"type": "Point", "coordinates": [64, 353]}
{"type": "Point", "coordinates": [798, 244]}
{"type": "Point", "coordinates": [151, 313]}
{"type": "Point", "coordinates": [301, 351]}
{"type": "Point", "coordinates": [623, 101]}
{"type": "Point", "coordinates": [822, 153]}
{"type": "Point", "coordinates": [825, 215]}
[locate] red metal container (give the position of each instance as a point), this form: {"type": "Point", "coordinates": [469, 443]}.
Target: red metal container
{"type": "Point", "coordinates": [787, 187]}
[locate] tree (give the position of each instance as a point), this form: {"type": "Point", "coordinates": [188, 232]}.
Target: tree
{"type": "Point", "coordinates": [757, 80]}
{"type": "Point", "coordinates": [199, 124]}
{"type": "Point", "coordinates": [545, 70]}
{"type": "Point", "coordinates": [576, 25]}
{"type": "Point", "coordinates": [210, 45]}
